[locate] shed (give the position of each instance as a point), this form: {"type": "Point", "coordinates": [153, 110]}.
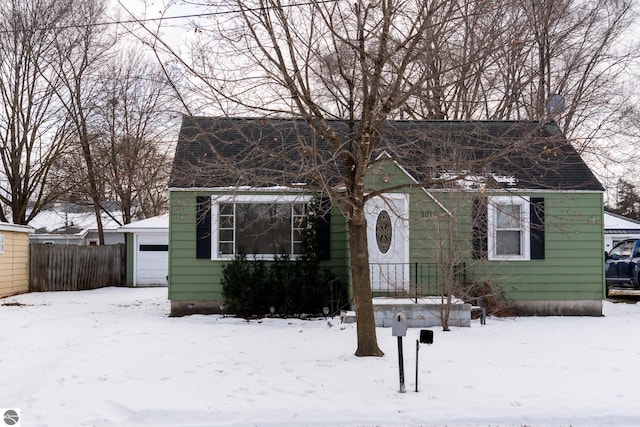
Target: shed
{"type": "Point", "coordinates": [147, 251]}
{"type": "Point", "coordinates": [14, 259]}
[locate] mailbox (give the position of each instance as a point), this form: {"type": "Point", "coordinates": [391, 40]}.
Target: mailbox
{"type": "Point", "coordinates": [426, 336]}
{"type": "Point", "coordinates": [399, 325]}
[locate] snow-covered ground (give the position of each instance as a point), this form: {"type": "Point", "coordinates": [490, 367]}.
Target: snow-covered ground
{"type": "Point", "coordinates": [112, 357]}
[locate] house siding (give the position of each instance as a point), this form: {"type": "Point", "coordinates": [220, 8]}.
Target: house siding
{"type": "Point", "coordinates": [14, 263]}
{"type": "Point", "coordinates": [573, 268]}
{"type": "Point", "coordinates": [566, 281]}
{"type": "Point", "coordinates": [570, 278]}
{"type": "Point", "coordinates": [194, 284]}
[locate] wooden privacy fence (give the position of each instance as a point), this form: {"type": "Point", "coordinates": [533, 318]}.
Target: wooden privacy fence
{"type": "Point", "coordinates": [75, 267]}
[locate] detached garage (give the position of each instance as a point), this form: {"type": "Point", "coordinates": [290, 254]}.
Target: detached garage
{"type": "Point", "coordinates": [14, 259]}
{"type": "Point", "coordinates": [147, 251]}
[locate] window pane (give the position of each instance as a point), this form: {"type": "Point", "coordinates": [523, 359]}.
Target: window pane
{"type": "Point", "coordinates": [226, 235]}
{"type": "Point", "coordinates": [154, 248]}
{"type": "Point", "coordinates": [627, 248]}
{"type": "Point", "coordinates": [226, 208]}
{"type": "Point", "coordinates": [226, 221]}
{"type": "Point", "coordinates": [298, 208]}
{"type": "Point", "coordinates": [226, 248]}
{"type": "Point", "coordinates": [508, 216]}
{"type": "Point", "coordinates": [508, 243]}
{"type": "Point", "coordinates": [297, 248]}
{"type": "Point", "coordinates": [263, 228]}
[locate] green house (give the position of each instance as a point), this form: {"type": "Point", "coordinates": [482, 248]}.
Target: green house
{"type": "Point", "coordinates": [510, 204]}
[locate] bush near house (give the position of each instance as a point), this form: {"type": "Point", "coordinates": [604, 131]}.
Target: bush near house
{"type": "Point", "coordinates": [250, 287]}
{"type": "Point", "coordinates": [292, 286]}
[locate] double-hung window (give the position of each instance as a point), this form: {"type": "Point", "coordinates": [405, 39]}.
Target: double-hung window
{"type": "Point", "coordinates": [508, 228]}
{"type": "Point", "coordinates": [264, 226]}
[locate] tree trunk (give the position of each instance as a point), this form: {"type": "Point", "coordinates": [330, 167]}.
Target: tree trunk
{"type": "Point", "coordinates": [366, 329]}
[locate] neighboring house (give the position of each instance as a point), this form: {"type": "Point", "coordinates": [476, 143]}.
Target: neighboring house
{"type": "Point", "coordinates": [70, 223]}
{"type": "Point", "coordinates": [530, 223]}
{"type": "Point", "coordinates": [14, 259]}
{"type": "Point", "coordinates": [147, 251]}
{"type": "Point", "coordinates": [617, 228]}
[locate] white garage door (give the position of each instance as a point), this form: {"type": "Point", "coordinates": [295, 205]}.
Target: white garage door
{"type": "Point", "coordinates": [152, 260]}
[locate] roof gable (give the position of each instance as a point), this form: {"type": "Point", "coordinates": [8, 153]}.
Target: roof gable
{"type": "Point", "coordinates": [231, 152]}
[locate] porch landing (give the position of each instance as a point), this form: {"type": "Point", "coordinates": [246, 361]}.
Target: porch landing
{"type": "Point", "coordinates": [423, 313]}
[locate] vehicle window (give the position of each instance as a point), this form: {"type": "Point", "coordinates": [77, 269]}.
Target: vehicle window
{"type": "Point", "coordinates": [623, 249]}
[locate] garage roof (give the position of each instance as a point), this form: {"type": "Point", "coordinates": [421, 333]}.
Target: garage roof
{"type": "Point", "coordinates": [148, 225]}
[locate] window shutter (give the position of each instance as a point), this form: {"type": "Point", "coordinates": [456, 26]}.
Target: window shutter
{"type": "Point", "coordinates": [536, 234]}
{"type": "Point", "coordinates": [323, 230]}
{"type": "Point", "coordinates": [479, 214]}
{"type": "Point", "coordinates": [203, 227]}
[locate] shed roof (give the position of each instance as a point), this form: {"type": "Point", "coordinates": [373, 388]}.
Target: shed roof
{"type": "Point", "coordinates": [6, 226]}
{"type": "Point", "coordinates": [231, 152]}
{"type": "Point", "coordinates": [153, 224]}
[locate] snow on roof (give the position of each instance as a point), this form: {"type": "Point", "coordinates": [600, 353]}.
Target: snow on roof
{"type": "Point", "coordinates": [6, 226]}
{"type": "Point", "coordinates": [156, 223]}
{"type": "Point", "coordinates": [618, 222]}
{"type": "Point", "coordinates": [66, 215]}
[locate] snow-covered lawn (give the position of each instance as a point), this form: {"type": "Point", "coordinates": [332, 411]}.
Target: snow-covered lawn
{"type": "Point", "coordinates": [112, 357]}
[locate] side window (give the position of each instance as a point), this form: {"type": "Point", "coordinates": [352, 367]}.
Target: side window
{"type": "Point", "coordinates": [627, 249]}
{"type": "Point", "coordinates": [622, 250]}
{"type": "Point", "coordinates": [508, 231]}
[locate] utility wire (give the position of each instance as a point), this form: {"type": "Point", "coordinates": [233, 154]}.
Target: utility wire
{"type": "Point", "coordinates": [164, 18]}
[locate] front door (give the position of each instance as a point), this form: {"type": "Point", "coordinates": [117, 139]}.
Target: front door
{"type": "Point", "coordinates": [388, 242]}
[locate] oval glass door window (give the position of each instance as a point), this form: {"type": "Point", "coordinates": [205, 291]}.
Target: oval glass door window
{"type": "Point", "coordinates": [384, 231]}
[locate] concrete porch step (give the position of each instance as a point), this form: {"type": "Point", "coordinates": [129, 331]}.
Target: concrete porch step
{"type": "Point", "coordinates": [423, 313]}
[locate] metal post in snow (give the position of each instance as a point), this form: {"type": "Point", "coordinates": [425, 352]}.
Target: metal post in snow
{"type": "Point", "coordinates": [426, 337]}
{"type": "Point", "coordinates": [417, 350]}
{"type": "Point", "coordinates": [399, 329]}
{"type": "Point", "coordinates": [401, 365]}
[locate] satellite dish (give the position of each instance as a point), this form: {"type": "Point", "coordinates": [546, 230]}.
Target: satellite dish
{"type": "Point", "coordinates": [555, 104]}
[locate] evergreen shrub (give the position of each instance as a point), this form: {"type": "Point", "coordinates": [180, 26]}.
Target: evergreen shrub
{"type": "Point", "coordinates": [292, 286]}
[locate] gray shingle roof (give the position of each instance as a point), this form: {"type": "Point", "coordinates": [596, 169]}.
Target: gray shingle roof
{"type": "Point", "coordinates": [220, 152]}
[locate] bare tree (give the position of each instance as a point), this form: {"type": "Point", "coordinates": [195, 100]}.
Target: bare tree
{"type": "Point", "coordinates": [361, 64]}
{"type": "Point", "coordinates": [81, 50]}
{"type": "Point", "coordinates": [322, 62]}
{"type": "Point", "coordinates": [33, 130]}
{"type": "Point", "coordinates": [276, 59]}
{"type": "Point", "coordinates": [133, 118]}
{"type": "Point", "coordinates": [505, 59]}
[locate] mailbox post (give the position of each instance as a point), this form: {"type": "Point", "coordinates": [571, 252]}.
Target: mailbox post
{"type": "Point", "coordinates": [426, 337]}
{"type": "Point", "coordinates": [399, 329]}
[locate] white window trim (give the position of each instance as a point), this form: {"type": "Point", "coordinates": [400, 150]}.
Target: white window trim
{"type": "Point", "coordinates": [245, 198]}
{"type": "Point", "coordinates": [1, 244]}
{"type": "Point", "coordinates": [525, 241]}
